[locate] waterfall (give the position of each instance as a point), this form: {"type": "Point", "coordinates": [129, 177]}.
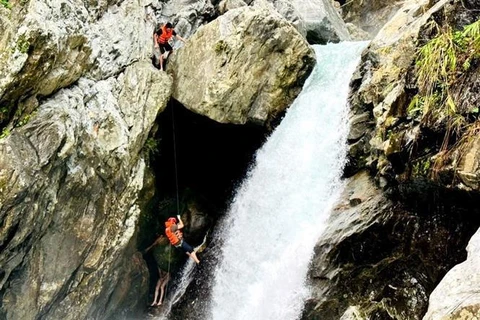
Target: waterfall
{"type": "Point", "coordinates": [279, 210]}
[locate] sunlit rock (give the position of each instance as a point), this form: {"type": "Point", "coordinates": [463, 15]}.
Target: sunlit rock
{"type": "Point", "coordinates": [48, 45]}
{"type": "Point", "coordinates": [322, 21]}
{"type": "Point", "coordinates": [246, 66]}
{"type": "Point", "coordinates": [456, 297]}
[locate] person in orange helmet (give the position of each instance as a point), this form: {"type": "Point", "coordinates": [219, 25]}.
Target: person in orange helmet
{"type": "Point", "coordinates": [173, 231]}
{"type": "Point", "coordinates": [161, 38]}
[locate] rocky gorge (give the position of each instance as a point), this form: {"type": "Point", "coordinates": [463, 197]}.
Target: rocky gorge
{"type": "Point", "coordinates": [98, 147]}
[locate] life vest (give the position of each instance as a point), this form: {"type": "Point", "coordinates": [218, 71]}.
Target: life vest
{"type": "Point", "coordinates": [165, 36]}
{"type": "Point", "coordinates": [174, 237]}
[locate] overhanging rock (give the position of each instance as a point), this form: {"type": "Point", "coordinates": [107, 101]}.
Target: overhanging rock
{"type": "Point", "coordinates": [246, 66]}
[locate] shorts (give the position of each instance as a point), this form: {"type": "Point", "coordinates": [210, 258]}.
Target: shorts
{"type": "Point", "coordinates": [185, 246]}
{"type": "Point", "coordinates": [165, 47]}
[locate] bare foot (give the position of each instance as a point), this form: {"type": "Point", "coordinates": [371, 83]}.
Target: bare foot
{"type": "Point", "coordinates": [153, 304]}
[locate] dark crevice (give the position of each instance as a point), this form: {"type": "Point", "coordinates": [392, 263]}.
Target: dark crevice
{"type": "Point", "coordinates": [208, 160]}
{"type": "Point", "coordinates": [211, 158]}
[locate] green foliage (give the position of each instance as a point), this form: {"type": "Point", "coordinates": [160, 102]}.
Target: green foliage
{"type": "Point", "coordinates": [440, 62]}
{"type": "Point", "coordinates": [6, 4]}
{"type": "Point", "coordinates": [23, 121]}
{"type": "Point", "coordinates": [422, 167]}
{"type": "Point", "coordinates": [151, 148]}
{"type": "Point", "coordinates": [5, 133]}
{"type": "Point", "coordinates": [221, 46]}
{"type": "Point", "coordinates": [23, 44]}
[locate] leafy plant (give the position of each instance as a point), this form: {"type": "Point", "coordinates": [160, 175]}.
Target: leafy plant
{"type": "Point", "coordinates": [5, 133]}
{"type": "Point", "coordinates": [23, 44]}
{"type": "Point", "coordinates": [6, 4]}
{"type": "Point", "coordinates": [440, 63]}
{"type": "Point", "coordinates": [151, 148]}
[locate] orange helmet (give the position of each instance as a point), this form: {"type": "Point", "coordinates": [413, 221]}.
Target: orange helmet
{"type": "Point", "coordinates": [170, 222]}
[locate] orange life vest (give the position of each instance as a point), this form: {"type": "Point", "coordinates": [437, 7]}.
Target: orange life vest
{"type": "Point", "coordinates": [174, 237]}
{"type": "Point", "coordinates": [165, 36]}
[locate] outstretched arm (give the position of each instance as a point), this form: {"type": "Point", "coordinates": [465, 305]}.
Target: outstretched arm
{"type": "Point", "coordinates": [157, 241]}
{"type": "Point", "coordinates": [180, 224]}
{"type": "Point", "coordinates": [180, 38]}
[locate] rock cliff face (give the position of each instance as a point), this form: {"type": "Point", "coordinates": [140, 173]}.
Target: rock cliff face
{"type": "Point", "coordinates": [380, 258]}
{"type": "Point", "coordinates": [78, 99]}
{"type": "Point", "coordinates": [415, 130]}
{"type": "Point", "coordinates": [456, 297]}
{"type": "Point", "coordinates": [69, 181]}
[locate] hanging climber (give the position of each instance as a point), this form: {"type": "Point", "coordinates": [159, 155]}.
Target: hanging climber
{"type": "Point", "coordinates": [160, 38]}
{"type": "Point", "coordinates": [175, 235]}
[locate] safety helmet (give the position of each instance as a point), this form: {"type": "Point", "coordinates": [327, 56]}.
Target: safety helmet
{"type": "Point", "coordinates": [170, 222]}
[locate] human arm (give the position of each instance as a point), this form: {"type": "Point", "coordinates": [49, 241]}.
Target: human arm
{"type": "Point", "coordinates": [157, 241]}
{"type": "Point", "coordinates": [180, 38]}
{"type": "Point", "coordinates": [155, 43]}
{"type": "Point", "coordinates": [180, 224]}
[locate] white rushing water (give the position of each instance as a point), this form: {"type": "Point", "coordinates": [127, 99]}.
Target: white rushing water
{"type": "Point", "coordinates": [278, 212]}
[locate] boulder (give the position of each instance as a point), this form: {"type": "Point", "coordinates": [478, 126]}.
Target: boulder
{"type": "Point", "coordinates": [288, 10]}
{"type": "Point", "coordinates": [456, 297]}
{"type": "Point", "coordinates": [370, 15]}
{"type": "Point", "coordinates": [246, 66]}
{"type": "Point", "coordinates": [322, 21]}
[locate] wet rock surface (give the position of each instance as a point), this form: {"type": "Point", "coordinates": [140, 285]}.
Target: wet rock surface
{"type": "Point", "coordinates": [381, 259]}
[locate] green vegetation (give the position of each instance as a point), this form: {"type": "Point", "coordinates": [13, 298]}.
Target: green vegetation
{"type": "Point", "coordinates": [440, 64]}
{"type": "Point", "coordinates": [23, 44]}
{"type": "Point", "coordinates": [25, 119]}
{"type": "Point", "coordinates": [6, 4]}
{"type": "Point", "coordinates": [5, 133]}
{"type": "Point", "coordinates": [151, 148]}
{"type": "Point", "coordinates": [422, 167]}
{"type": "Point", "coordinates": [221, 46]}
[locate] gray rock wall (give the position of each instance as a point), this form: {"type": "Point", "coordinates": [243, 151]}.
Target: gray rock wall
{"type": "Point", "coordinates": [69, 181]}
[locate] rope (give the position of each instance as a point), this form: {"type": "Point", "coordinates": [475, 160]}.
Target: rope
{"type": "Point", "coordinates": [175, 160]}
{"type": "Point", "coordinates": [177, 195]}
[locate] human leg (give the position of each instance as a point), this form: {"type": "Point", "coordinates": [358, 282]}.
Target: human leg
{"type": "Point", "coordinates": [162, 51]}
{"type": "Point", "coordinates": [189, 251]}
{"type": "Point", "coordinates": [193, 256]}
{"type": "Point", "coordinates": [166, 50]}
{"type": "Point", "coordinates": [162, 287]}
{"type": "Point", "coordinates": [157, 288]}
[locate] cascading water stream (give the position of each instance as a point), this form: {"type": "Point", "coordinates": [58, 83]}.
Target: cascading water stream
{"type": "Point", "coordinates": [278, 213]}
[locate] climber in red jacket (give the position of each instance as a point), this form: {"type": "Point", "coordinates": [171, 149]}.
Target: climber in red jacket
{"type": "Point", "coordinates": [175, 236]}
{"type": "Point", "coordinates": [161, 38]}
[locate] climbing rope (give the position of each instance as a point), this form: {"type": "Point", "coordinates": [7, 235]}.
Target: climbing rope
{"type": "Point", "coordinates": [177, 194]}
{"type": "Point", "coordinates": [175, 160]}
